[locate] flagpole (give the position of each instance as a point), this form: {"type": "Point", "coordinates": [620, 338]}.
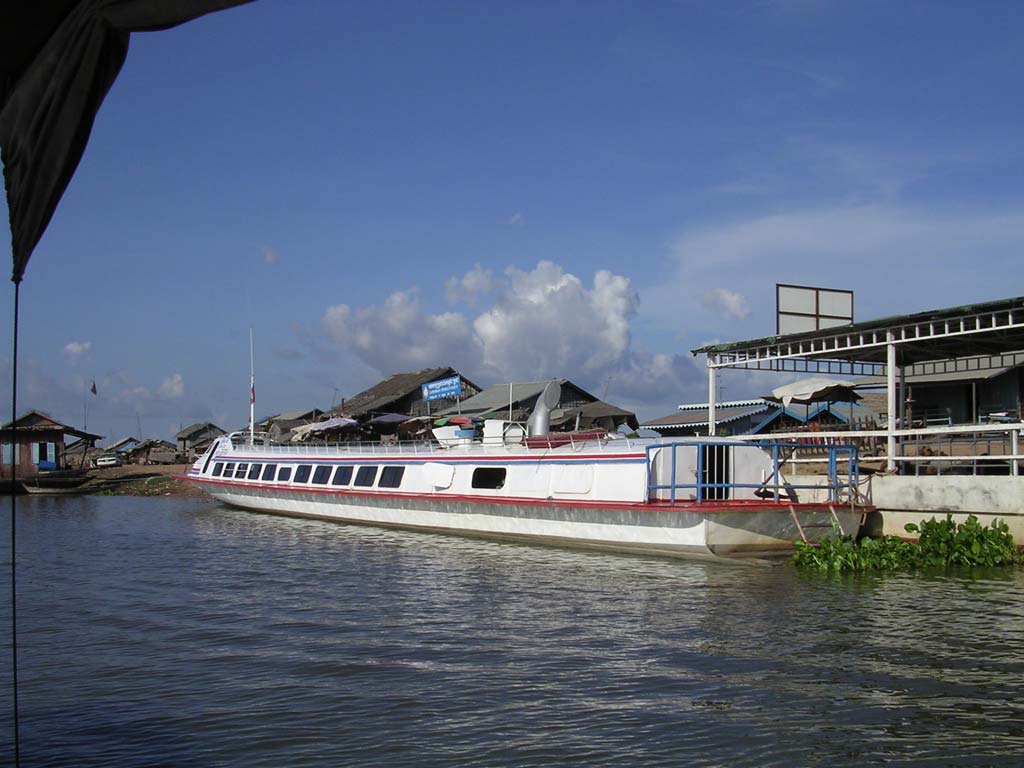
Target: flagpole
{"type": "Point", "coordinates": [252, 393]}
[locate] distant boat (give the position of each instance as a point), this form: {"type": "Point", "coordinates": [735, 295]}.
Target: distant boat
{"type": "Point", "coordinates": [56, 481]}
{"type": "Point", "coordinates": [702, 497]}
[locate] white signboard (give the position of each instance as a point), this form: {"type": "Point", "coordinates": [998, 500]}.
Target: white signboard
{"type": "Point", "coordinates": [801, 308]}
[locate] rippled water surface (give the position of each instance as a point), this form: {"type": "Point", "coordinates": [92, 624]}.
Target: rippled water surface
{"type": "Point", "coordinates": [175, 632]}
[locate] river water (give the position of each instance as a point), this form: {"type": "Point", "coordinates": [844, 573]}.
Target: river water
{"type": "Point", "coordinates": [176, 632]}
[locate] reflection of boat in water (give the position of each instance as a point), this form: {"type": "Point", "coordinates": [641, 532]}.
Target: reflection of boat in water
{"type": "Point", "coordinates": [56, 481]}
{"type": "Point", "coordinates": [693, 498]}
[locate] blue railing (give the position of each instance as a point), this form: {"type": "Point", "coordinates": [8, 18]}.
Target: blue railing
{"type": "Point", "coordinates": [772, 487]}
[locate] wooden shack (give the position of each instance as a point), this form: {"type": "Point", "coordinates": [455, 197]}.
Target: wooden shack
{"type": "Point", "coordinates": [36, 442]}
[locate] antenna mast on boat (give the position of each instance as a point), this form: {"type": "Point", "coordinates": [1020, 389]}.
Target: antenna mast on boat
{"type": "Point", "coordinates": [252, 393]}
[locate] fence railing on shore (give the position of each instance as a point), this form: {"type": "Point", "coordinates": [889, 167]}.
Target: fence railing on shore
{"type": "Point", "coordinates": [981, 448]}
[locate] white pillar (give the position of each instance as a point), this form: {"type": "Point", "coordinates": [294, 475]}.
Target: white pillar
{"type": "Point", "coordinates": [890, 374]}
{"type": "Point", "coordinates": [711, 398]}
{"type": "Point", "coordinates": [903, 398]}
{"type": "Point", "coordinates": [1015, 447]}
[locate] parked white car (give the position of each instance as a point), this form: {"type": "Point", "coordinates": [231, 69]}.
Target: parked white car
{"type": "Point", "coordinates": [109, 460]}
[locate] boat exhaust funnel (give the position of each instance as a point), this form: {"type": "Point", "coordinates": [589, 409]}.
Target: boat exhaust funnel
{"type": "Point", "coordinates": [540, 420]}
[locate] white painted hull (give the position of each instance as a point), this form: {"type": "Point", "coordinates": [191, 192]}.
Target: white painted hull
{"type": "Point", "coordinates": [683, 531]}
{"type": "Point", "coordinates": [636, 497]}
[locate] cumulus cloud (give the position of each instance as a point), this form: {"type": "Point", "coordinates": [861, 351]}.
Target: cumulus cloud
{"type": "Point", "coordinates": [539, 323]}
{"type": "Point", "coordinates": [546, 320]}
{"type": "Point", "coordinates": [75, 350]}
{"type": "Point", "coordinates": [400, 335]}
{"type": "Point", "coordinates": [172, 388]}
{"type": "Point", "coordinates": [471, 287]}
{"type": "Point", "coordinates": [729, 303]}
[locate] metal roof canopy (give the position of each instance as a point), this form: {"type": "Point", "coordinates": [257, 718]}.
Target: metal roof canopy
{"type": "Point", "coordinates": [994, 328]}
{"type": "Point", "coordinates": [891, 346]}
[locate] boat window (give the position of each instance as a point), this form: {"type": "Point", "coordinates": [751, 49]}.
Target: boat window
{"type": "Point", "coordinates": [489, 477]}
{"type": "Point", "coordinates": [229, 469]}
{"type": "Point", "coordinates": [209, 456]}
{"type": "Point", "coordinates": [268, 471]}
{"type": "Point", "coordinates": [242, 469]}
{"type": "Point", "coordinates": [366, 475]}
{"type": "Point", "coordinates": [321, 475]}
{"type": "Point", "coordinates": [302, 473]}
{"type": "Point", "coordinates": [254, 471]}
{"type": "Point", "coordinates": [391, 477]}
{"type": "Point", "coordinates": [343, 476]}
{"type": "Point", "coordinates": [284, 474]}
{"type": "Point", "coordinates": [217, 469]}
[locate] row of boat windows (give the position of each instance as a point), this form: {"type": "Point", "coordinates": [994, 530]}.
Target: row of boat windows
{"type": "Point", "coordinates": [365, 476]}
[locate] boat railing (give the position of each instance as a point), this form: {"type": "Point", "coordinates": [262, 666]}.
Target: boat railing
{"type": "Point", "coordinates": [241, 440]}
{"type": "Point", "coordinates": [711, 466]}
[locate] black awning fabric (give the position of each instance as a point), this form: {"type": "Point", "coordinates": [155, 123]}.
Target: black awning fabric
{"type": "Point", "coordinates": [57, 62]}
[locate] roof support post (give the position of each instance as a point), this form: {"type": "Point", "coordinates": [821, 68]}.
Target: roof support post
{"type": "Point", "coordinates": [903, 398]}
{"type": "Point", "coordinates": [711, 399]}
{"type": "Point", "coordinates": [1015, 447]}
{"type": "Point", "coordinates": [890, 392]}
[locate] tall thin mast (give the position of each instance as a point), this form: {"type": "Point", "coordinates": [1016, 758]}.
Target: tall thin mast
{"type": "Point", "coordinates": [252, 392]}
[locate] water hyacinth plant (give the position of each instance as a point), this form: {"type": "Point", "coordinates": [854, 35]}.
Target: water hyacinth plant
{"type": "Point", "coordinates": [940, 544]}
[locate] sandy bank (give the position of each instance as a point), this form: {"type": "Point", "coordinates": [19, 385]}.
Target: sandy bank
{"type": "Point", "coordinates": [137, 480]}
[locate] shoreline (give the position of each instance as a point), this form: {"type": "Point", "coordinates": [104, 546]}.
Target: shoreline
{"type": "Point", "coordinates": [140, 480]}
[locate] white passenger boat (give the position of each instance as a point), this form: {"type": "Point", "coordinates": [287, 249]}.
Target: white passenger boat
{"type": "Point", "coordinates": [703, 497]}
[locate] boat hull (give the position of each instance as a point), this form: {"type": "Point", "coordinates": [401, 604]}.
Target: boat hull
{"type": "Point", "coordinates": [675, 530]}
{"type": "Point", "coordinates": [59, 482]}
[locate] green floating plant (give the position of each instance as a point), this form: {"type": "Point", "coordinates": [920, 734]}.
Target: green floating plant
{"type": "Point", "coordinates": [940, 544]}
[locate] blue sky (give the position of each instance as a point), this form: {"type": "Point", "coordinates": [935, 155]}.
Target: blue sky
{"type": "Point", "coordinates": [528, 190]}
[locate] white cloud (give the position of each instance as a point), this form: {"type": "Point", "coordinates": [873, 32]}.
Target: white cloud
{"type": "Point", "coordinates": [896, 258]}
{"type": "Point", "coordinates": [546, 321]}
{"type": "Point", "coordinates": [471, 287]}
{"type": "Point", "coordinates": [729, 303]}
{"type": "Point", "coordinates": [172, 388]}
{"type": "Point", "coordinates": [75, 350]}
{"type": "Point", "coordinates": [540, 323]}
{"type": "Point", "coordinates": [399, 335]}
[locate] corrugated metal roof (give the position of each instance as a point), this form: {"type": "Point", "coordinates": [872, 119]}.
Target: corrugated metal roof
{"type": "Point", "coordinates": [496, 398]}
{"type": "Point", "coordinates": [725, 404]}
{"type": "Point", "coordinates": [309, 413]}
{"type": "Point", "coordinates": [998, 341]}
{"type": "Point", "coordinates": [381, 395]}
{"type": "Point", "coordinates": [937, 378]}
{"type": "Point", "coordinates": [192, 429]}
{"type": "Point", "coordinates": [690, 417]}
{"type": "Point", "coordinates": [593, 413]}
{"type": "Point", "coordinates": [39, 421]}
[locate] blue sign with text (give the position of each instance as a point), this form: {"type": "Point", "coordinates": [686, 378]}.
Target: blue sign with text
{"type": "Point", "coordinates": [436, 390]}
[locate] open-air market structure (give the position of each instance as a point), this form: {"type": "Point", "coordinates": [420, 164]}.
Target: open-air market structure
{"type": "Point", "coordinates": [959, 343]}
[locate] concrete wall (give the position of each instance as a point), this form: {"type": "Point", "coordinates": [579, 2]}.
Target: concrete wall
{"type": "Point", "coordinates": [907, 499]}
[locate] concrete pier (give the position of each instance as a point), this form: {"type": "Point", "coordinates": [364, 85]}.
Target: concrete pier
{"type": "Point", "coordinates": [909, 499]}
